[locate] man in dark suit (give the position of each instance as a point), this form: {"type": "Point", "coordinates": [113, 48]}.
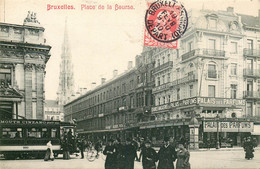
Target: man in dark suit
{"type": "Point", "coordinates": [167, 155]}
{"type": "Point", "coordinates": [149, 156]}
{"type": "Point", "coordinates": [110, 152]}
{"type": "Point", "coordinates": [120, 157]}
{"type": "Point", "coordinates": [130, 154]}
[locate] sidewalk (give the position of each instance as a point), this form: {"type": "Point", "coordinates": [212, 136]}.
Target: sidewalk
{"type": "Point", "coordinates": [214, 149]}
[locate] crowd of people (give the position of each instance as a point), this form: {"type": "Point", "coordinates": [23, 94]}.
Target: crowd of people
{"type": "Point", "coordinates": [122, 155]}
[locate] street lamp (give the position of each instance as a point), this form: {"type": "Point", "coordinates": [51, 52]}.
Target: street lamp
{"type": "Point", "coordinates": [217, 119]}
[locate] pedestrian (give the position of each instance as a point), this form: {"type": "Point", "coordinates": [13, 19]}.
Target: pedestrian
{"type": "Point", "coordinates": [110, 152]}
{"type": "Point", "coordinates": [167, 155]}
{"type": "Point", "coordinates": [82, 147]}
{"type": "Point", "coordinates": [149, 156]}
{"type": "Point", "coordinates": [65, 147]}
{"type": "Point", "coordinates": [98, 147]}
{"type": "Point", "coordinates": [120, 158]}
{"type": "Point", "coordinates": [136, 145]}
{"type": "Point", "coordinates": [130, 154]}
{"type": "Point", "coordinates": [248, 148]}
{"type": "Point", "coordinates": [183, 157]}
{"type": "Point", "coordinates": [142, 146]}
{"type": "Point", "coordinates": [49, 153]}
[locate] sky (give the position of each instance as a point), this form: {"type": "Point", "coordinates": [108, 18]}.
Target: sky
{"type": "Point", "coordinates": [100, 40]}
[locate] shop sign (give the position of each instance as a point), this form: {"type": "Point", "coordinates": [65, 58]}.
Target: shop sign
{"type": "Point", "coordinates": [211, 126]}
{"type": "Point", "coordinates": [224, 102]}
{"type": "Point", "coordinates": [221, 101]}
{"type": "Point", "coordinates": [28, 122]}
{"type": "Point", "coordinates": [161, 87]}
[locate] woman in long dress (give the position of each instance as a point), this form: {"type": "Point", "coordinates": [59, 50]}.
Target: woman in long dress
{"type": "Point", "coordinates": [183, 157]}
{"type": "Point", "coordinates": [49, 153]}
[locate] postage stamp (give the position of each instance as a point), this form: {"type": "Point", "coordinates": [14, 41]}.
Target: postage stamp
{"type": "Point", "coordinates": [165, 21]}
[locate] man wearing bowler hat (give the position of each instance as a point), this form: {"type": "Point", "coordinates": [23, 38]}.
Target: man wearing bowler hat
{"type": "Point", "coordinates": [167, 155]}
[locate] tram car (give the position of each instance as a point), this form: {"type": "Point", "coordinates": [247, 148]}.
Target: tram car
{"type": "Point", "coordinates": [28, 138]}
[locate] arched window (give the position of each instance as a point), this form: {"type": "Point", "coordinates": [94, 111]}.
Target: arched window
{"type": "Point", "coordinates": [212, 70]}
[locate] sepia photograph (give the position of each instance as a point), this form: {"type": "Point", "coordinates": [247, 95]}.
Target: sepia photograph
{"type": "Point", "coordinates": [130, 84]}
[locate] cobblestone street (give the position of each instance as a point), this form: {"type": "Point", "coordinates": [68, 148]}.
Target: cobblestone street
{"type": "Point", "coordinates": [224, 158]}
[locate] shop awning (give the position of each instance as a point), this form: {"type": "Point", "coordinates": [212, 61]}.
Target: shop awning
{"type": "Point", "coordinates": [100, 131]}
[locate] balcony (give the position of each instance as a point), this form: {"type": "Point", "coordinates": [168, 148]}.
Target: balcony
{"type": "Point", "coordinates": [252, 94]}
{"type": "Point", "coordinates": [252, 72]}
{"type": "Point", "coordinates": [163, 66]}
{"type": "Point", "coordinates": [204, 52]}
{"type": "Point", "coordinates": [251, 52]}
{"type": "Point", "coordinates": [166, 86]}
{"type": "Point", "coordinates": [187, 79]}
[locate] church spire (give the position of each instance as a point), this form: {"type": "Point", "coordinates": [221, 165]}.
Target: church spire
{"type": "Point", "coordinates": [66, 79]}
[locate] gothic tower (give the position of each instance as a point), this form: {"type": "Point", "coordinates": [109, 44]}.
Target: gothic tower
{"type": "Point", "coordinates": [66, 79]}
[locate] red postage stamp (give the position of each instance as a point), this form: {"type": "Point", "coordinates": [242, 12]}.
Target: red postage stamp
{"type": "Point", "coordinates": [165, 21]}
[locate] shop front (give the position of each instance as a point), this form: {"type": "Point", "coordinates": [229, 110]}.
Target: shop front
{"type": "Point", "coordinates": [229, 132]}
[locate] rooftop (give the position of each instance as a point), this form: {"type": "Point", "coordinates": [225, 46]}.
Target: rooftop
{"type": "Point", "coordinates": [251, 21]}
{"type": "Point", "coordinates": [51, 103]}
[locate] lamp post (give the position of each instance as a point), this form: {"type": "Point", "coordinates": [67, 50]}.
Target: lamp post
{"type": "Point", "coordinates": [217, 119]}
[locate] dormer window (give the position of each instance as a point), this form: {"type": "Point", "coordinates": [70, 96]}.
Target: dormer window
{"type": "Point", "coordinates": [213, 23]}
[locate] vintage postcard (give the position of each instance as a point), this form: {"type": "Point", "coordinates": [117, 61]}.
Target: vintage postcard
{"type": "Point", "coordinates": [129, 84]}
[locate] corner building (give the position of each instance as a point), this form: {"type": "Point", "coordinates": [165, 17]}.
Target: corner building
{"type": "Point", "coordinates": [23, 57]}
{"type": "Point", "coordinates": [212, 77]}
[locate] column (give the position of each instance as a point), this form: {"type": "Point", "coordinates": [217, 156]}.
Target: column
{"type": "Point", "coordinates": [194, 133]}
{"type": "Point", "coordinates": [28, 89]}
{"type": "Point", "coordinates": [39, 90]}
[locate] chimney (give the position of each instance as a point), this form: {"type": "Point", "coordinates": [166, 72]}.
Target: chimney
{"type": "Point", "coordinates": [230, 9]}
{"type": "Point", "coordinates": [93, 85]}
{"type": "Point", "coordinates": [103, 80]}
{"type": "Point", "coordinates": [115, 73]}
{"type": "Point", "coordinates": [130, 65]}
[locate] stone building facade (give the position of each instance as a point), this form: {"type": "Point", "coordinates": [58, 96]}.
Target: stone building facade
{"type": "Point", "coordinates": [207, 89]}
{"type": "Point", "coordinates": [23, 57]}
{"type": "Point", "coordinates": [52, 110]}
{"type": "Point", "coordinates": [212, 76]}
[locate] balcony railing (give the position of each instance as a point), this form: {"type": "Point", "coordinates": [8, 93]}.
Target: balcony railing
{"type": "Point", "coordinates": [251, 52]}
{"type": "Point", "coordinates": [203, 52]}
{"type": "Point", "coordinates": [163, 66]}
{"type": "Point", "coordinates": [186, 79]}
{"type": "Point", "coordinates": [252, 94]}
{"type": "Point", "coordinates": [252, 72]}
